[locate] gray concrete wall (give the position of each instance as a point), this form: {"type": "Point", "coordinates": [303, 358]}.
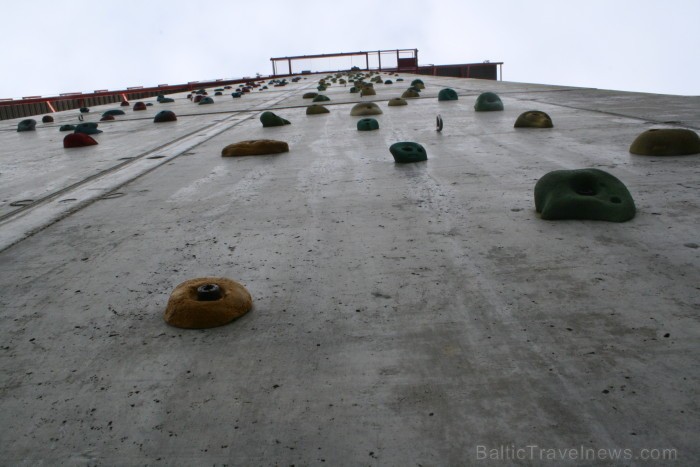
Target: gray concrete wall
{"type": "Point", "coordinates": [417, 314]}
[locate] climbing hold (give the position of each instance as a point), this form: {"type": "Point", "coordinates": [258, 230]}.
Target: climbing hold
{"type": "Point", "coordinates": [149, 104]}
{"type": "Point", "coordinates": [236, 95]}
{"type": "Point", "coordinates": [414, 88]}
{"type": "Point", "coordinates": [397, 101]}
{"type": "Point", "coordinates": [125, 104]}
{"type": "Point", "coordinates": [365, 108]}
{"type": "Point", "coordinates": [367, 124]}
{"type": "Point", "coordinates": [315, 109]}
{"type": "Point", "coordinates": [405, 152]}
{"type": "Point", "coordinates": [201, 92]}
{"type": "Point", "coordinates": [438, 122]}
{"type": "Point", "coordinates": [368, 91]}
{"type": "Point", "coordinates": [388, 82]}
{"type": "Point", "coordinates": [198, 98]}
{"type": "Point", "coordinates": [113, 112]}
{"type": "Point", "coordinates": [321, 88]}
{"type": "Point", "coordinates": [89, 128]}
{"type": "Point", "coordinates": [107, 117]}
{"type": "Point", "coordinates": [666, 142]}
{"type": "Point", "coordinates": [255, 147]}
{"type": "Point", "coordinates": [533, 119]}
{"type": "Point", "coordinates": [78, 140]}
{"type": "Point", "coordinates": [166, 100]}
{"type": "Point", "coordinates": [354, 90]}
{"type": "Point", "coordinates": [590, 194]}
{"type": "Point", "coordinates": [309, 95]}
{"type": "Point", "coordinates": [321, 98]}
{"type": "Point", "coordinates": [139, 106]}
{"type": "Point", "coordinates": [418, 84]}
{"type": "Point", "coordinates": [410, 94]}
{"type": "Point", "coordinates": [218, 93]}
{"type": "Point", "coordinates": [165, 116]}
{"type": "Point", "coordinates": [67, 128]}
{"type": "Point", "coordinates": [47, 119]}
{"type": "Point", "coordinates": [206, 100]}
{"type": "Point", "coordinates": [447, 94]}
{"type": "Point", "coordinates": [399, 79]}
{"type": "Point", "coordinates": [207, 302]}
{"type": "Point", "coordinates": [27, 125]}
{"type": "Point", "coordinates": [218, 89]}
{"type": "Point", "coordinates": [487, 102]}
{"type": "Point", "coordinates": [269, 119]}
{"type": "Point", "coordinates": [84, 110]}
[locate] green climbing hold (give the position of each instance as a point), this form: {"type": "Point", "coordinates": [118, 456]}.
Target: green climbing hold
{"type": "Point", "coordinates": [165, 116]}
{"type": "Point", "coordinates": [309, 95]}
{"type": "Point", "coordinates": [67, 128]}
{"type": "Point", "coordinates": [354, 90]}
{"type": "Point", "coordinates": [583, 194]}
{"type": "Point", "coordinates": [397, 101]}
{"type": "Point", "coordinates": [28, 124]}
{"type": "Point", "coordinates": [365, 108]}
{"type": "Point", "coordinates": [321, 87]}
{"type": "Point", "coordinates": [206, 100]}
{"type": "Point", "coordinates": [316, 109]}
{"type": "Point", "coordinates": [399, 79]}
{"type": "Point", "coordinates": [367, 124]}
{"type": "Point", "coordinates": [388, 82]}
{"type": "Point", "coordinates": [321, 98]}
{"type": "Point", "coordinates": [166, 100]}
{"type": "Point", "coordinates": [410, 94]}
{"type": "Point", "coordinates": [236, 94]}
{"type": "Point", "coordinates": [447, 94]}
{"type": "Point", "coordinates": [113, 112]}
{"type": "Point", "coordinates": [84, 110]}
{"type": "Point", "coordinates": [89, 128]}
{"type": "Point", "coordinates": [269, 119]}
{"type": "Point", "coordinates": [418, 83]}
{"type": "Point", "coordinates": [533, 119]}
{"type": "Point", "coordinates": [666, 142]}
{"type": "Point", "coordinates": [487, 102]}
{"type": "Point", "coordinates": [405, 152]}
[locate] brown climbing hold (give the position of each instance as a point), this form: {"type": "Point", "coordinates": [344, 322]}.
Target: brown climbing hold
{"type": "Point", "coordinates": [139, 106]}
{"type": "Point", "coordinates": [316, 109]}
{"type": "Point", "coordinates": [207, 302]}
{"type": "Point", "coordinates": [255, 147]}
{"type": "Point", "coordinates": [666, 142]}
{"type": "Point", "coordinates": [410, 94]}
{"type": "Point", "coordinates": [397, 101]}
{"type": "Point", "coordinates": [368, 91]}
{"type": "Point", "coordinates": [47, 119]}
{"type": "Point", "coordinates": [365, 108]}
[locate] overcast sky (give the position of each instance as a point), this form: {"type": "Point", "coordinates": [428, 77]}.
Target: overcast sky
{"type": "Point", "coordinates": [53, 46]}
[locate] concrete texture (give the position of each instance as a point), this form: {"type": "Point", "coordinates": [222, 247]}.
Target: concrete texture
{"type": "Point", "coordinates": [404, 315]}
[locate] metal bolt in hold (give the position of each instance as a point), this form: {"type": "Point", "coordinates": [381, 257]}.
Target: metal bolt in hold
{"type": "Point", "coordinates": [208, 292]}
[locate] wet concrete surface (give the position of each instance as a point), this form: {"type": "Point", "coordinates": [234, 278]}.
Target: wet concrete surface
{"type": "Point", "coordinates": [403, 314]}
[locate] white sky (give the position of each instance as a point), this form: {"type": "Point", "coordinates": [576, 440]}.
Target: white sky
{"type": "Point", "coordinates": [53, 46]}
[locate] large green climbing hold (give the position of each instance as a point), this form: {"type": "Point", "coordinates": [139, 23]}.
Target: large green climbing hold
{"type": "Point", "coordinates": [405, 152]}
{"type": "Point", "coordinates": [364, 109]}
{"type": "Point", "coordinates": [165, 116]}
{"type": "Point", "coordinates": [206, 100]}
{"type": "Point", "coordinates": [367, 124]}
{"type": "Point", "coordinates": [89, 128]}
{"type": "Point", "coordinates": [533, 119]}
{"type": "Point", "coordinates": [316, 109]}
{"type": "Point", "coordinates": [113, 112]}
{"type": "Point", "coordinates": [666, 142]}
{"type": "Point", "coordinates": [27, 125]}
{"type": "Point", "coordinates": [321, 98]}
{"type": "Point", "coordinates": [583, 194]}
{"type": "Point", "coordinates": [447, 94]}
{"type": "Point", "coordinates": [269, 119]}
{"type": "Point", "coordinates": [487, 102]}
